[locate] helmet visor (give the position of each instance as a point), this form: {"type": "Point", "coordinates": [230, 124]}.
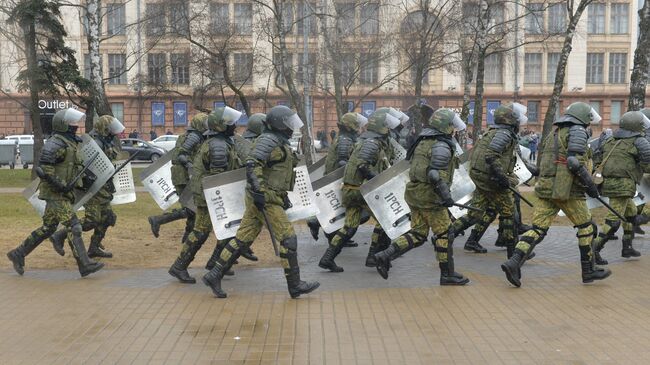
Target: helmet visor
{"type": "Point", "coordinates": [458, 123]}
{"type": "Point", "coordinates": [595, 117]}
{"type": "Point", "coordinates": [361, 120]}
{"type": "Point", "coordinates": [520, 111]}
{"type": "Point", "coordinates": [230, 115]}
{"type": "Point", "coordinates": [646, 123]}
{"type": "Point", "coordinates": [294, 122]}
{"type": "Point", "coordinates": [115, 127]}
{"type": "Point", "coordinates": [391, 121]}
{"type": "Point", "coordinates": [403, 118]}
{"type": "Point", "coordinates": [74, 117]}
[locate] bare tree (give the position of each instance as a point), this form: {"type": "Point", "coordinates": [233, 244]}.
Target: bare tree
{"type": "Point", "coordinates": [639, 78]}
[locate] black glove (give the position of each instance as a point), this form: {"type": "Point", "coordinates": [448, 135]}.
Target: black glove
{"type": "Point", "coordinates": [286, 203]}
{"type": "Point", "coordinates": [258, 199]}
{"type": "Point", "coordinates": [580, 172]}
{"type": "Point", "coordinates": [87, 182]}
{"type": "Point", "coordinates": [592, 190]}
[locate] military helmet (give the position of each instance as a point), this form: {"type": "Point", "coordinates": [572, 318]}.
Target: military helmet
{"type": "Point", "coordinates": [634, 121]}
{"type": "Point", "coordinates": [646, 112]}
{"type": "Point", "coordinates": [353, 121]}
{"type": "Point", "coordinates": [108, 125]}
{"type": "Point", "coordinates": [255, 125]}
{"type": "Point", "coordinates": [221, 118]}
{"type": "Point", "coordinates": [282, 118]}
{"type": "Point", "coordinates": [381, 121]}
{"type": "Point", "coordinates": [581, 113]}
{"type": "Point", "coordinates": [63, 119]}
{"type": "Point", "coordinates": [199, 122]}
{"type": "Point", "coordinates": [446, 121]}
{"type": "Point", "coordinates": [512, 114]}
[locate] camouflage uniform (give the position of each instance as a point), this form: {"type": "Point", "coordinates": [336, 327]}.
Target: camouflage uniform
{"type": "Point", "coordinates": [564, 177]}
{"type": "Point", "coordinates": [270, 175]}
{"type": "Point", "coordinates": [216, 155]}
{"type": "Point", "coordinates": [183, 154]}
{"type": "Point", "coordinates": [625, 158]}
{"type": "Point", "coordinates": [59, 163]}
{"type": "Point", "coordinates": [427, 193]}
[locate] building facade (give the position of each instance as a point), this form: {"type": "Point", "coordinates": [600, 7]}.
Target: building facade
{"type": "Point", "coordinates": [154, 79]}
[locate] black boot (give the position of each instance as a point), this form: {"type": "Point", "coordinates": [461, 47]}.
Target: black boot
{"type": "Point", "coordinates": [327, 261]}
{"type": "Point", "coordinates": [248, 254]}
{"type": "Point", "coordinates": [472, 242]}
{"type": "Point", "coordinates": [190, 248]}
{"type": "Point", "coordinates": [639, 230]}
{"type": "Point", "coordinates": [296, 286]}
{"type": "Point", "coordinates": [85, 264]}
{"type": "Point", "coordinates": [598, 244]}
{"type": "Point", "coordinates": [383, 259]}
{"type": "Point", "coordinates": [629, 251]}
{"type": "Point", "coordinates": [448, 276]}
{"type": "Point", "coordinates": [213, 278]}
{"type": "Point", "coordinates": [189, 224]}
{"type": "Point", "coordinates": [213, 260]}
{"type": "Point", "coordinates": [512, 267]}
{"type": "Point", "coordinates": [158, 220]}
{"type": "Point", "coordinates": [314, 227]}
{"type": "Point", "coordinates": [349, 244]}
{"type": "Point", "coordinates": [591, 272]}
{"type": "Point", "coordinates": [370, 259]}
{"type": "Point", "coordinates": [95, 249]}
{"type": "Point", "coordinates": [58, 241]}
{"type": "Point", "coordinates": [17, 255]}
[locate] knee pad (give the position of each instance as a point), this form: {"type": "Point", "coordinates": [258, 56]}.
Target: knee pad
{"type": "Point", "coordinates": [585, 230]}
{"type": "Point", "coordinates": [49, 230]}
{"type": "Point", "coordinates": [111, 218]}
{"type": "Point", "coordinates": [190, 213]}
{"type": "Point", "coordinates": [290, 243]}
{"type": "Point", "coordinates": [364, 217]}
{"type": "Point", "coordinates": [541, 231]}
{"type": "Point", "coordinates": [76, 229]}
{"type": "Point", "coordinates": [613, 224]}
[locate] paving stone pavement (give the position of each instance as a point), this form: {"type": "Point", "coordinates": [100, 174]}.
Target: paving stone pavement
{"type": "Point", "coordinates": [146, 317]}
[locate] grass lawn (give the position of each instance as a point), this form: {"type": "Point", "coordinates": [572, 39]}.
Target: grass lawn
{"type": "Point", "coordinates": [20, 178]}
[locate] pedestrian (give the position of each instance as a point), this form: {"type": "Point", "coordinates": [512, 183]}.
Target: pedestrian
{"type": "Point", "coordinates": [169, 132]}
{"type": "Point", "coordinates": [532, 145]}
{"type": "Point", "coordinates": [133, 134]}
{"type": "Point", "coordinates": [152, 135]}
{"type": "Point", "coordinates": [332, 135]}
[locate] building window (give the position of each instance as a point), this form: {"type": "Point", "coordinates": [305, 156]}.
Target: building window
{"type": "Point", "coordinates": [617, 68]}
{"type": "Point", "coordinates": [535, 18]}
{"type": "Point", "coordinates": [425, 77]}
{"type": "Point", "coordinates": [345, 18]}
{"type": "Point", "coordinates": [155, 19]}
{"type": "Point", "coordinates": [615, 113]}
{"type": "Point", "coordinates": [533, 111]}
{"type": "Point", "coordinates": [156, 68]}
{"type": "Point", "coordinates": [116, 69]}
{"type": "Point", "coordinates": [118, 111]}
{"type": "Point", "coordinates": [595, 63]}
{"type": "Point", "coordinates": [304, 12]}
{"type": "Point", "coordinates": [115, 19]}
{"type": "Point", "coordinates": [596, 18]}
{"type": "Point", "coordinates": [496, 12]}
{"type": "Point", "coordinates": [243, 70]}
{"type": "Point", "coordinates": [219, 18]}
{"type": "Point", "coordinates": [179, 19]}
{"type": "Point", "coordinates": [347, 68]}
{"type": "Point", "coordinates": [618, 18]}
{"type": "Point", "coordinates": [533, 68]}
{"type": "Point", "coordinates": [311, 68]}
{"type": "Point", "coordinates": [493, 68]}
{"type": "Point", "coordinates": [596, 105]}
{"type": "Point", "coordinates": [552, 60]}
{"type": "Point", "coordinates": [180, 68]}
{"type": "Point", "coordinates": [557, 17]}
{"type": "Point", "coordinates": [369, 19]}
{"type": "Point", "coordinates": [243, 19]}
{"type": "Point", "coordinates": [277, 63]}
{"type": "Point", "coordinates": [368, 68]}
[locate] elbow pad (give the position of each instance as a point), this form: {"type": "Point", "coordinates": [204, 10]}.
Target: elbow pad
{"type": "Point", "coordinates": [251, 177]}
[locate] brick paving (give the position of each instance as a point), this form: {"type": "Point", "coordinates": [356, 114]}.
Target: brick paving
{"type": "Point", "coordinates": [145, 317]}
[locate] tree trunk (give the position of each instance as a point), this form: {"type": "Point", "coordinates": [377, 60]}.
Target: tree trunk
{"type": "Point", "coordinates": [468, 74]}
{"type": "Point", "coordinates": [639, 78]}
{"type": "Point", "coordinates": [29, 31]}
{"type": "Point", "coordinates": [99, 99]}
{"type": "Point", "coordinates": [478, 98]}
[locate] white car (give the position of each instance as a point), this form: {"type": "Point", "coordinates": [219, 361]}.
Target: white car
{"type": "Point", "coordinates": [166, 142]}
{"type": "Point", "coordinates": [22, 138]}
{"type": "Point", "coordinates": [294, 142]}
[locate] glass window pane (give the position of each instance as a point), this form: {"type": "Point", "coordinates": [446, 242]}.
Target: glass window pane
{"type": "Point", "coordinates": [618, 21]}
{"type": "Point", "coordinates": [533, 68]}
{"type": "Point", "coordinates": [551, 67]}
{"type": "Point", "coordinates": [596, 18]}
{"type": "Point", "coordinates": [615, 114]}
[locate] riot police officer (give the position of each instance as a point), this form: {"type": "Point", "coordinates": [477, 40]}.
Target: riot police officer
{"type": "Point", "coordinates": [269, 175]}
{"type": "Point", "coordinates": [59, 164]}
{"type": "Point", "coordinates": [254, 128]}
{"type": "Point", "coordinates": [565, 176]}
{"type": "Point", "coordinates": [216, 155]}
{"type": "Point", "coordinates": [183, 154]}
{"type": "Point", "coordinates": [427, 193]}
{"type": "Point", "coordinates": [99, 215]}
{"type": "Point", "coordinates": [624, 159]}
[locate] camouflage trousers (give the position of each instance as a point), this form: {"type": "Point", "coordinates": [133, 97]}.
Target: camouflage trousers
{"type": "Point", "coordinates": [504, 223]}
{"type": "Point", "coordinates": [200, 234]}
{"type": "Point", "coordinates": [353, 218]}
{"type": "Point", "coordinates": [56, 212]}
{"type": "Point", "coordinates": [98, 217]}
{"type": "Point", "coordinates": [546, 210]}
{"type": "Point", "coordinates": [625, 206]}
{"type": "Point", "coordinates": [436, 220]}
{"type": "Point", "coordinates": [492, 203]}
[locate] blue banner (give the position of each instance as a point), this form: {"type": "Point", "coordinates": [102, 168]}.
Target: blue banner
{"type": "Point", "coordinates": [470, 117]}
{"type": "Point", "coordinates": [180, 113]}
{"type": "Point", "coordinates": [368, 107]}
{"type": "Point", "coordinates": [491, 107]}
{"type": "Point", "coordinates": [350, 106]}
{"type": "Point", "coordinates": [218, 104]}
{"type": "Point", "coordinates": [158, 114]}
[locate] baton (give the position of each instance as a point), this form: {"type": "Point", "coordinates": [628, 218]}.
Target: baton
{"type": "Point", "coordinates": [123, 165]}
{"type": "Point", "coordinates": [268, 226]}
{"type": "Point", "coordinates": [468, 207]}
{"type": "Point", "coordinates": [611, 209]}
{"type": "Point", "coordinates": [514, 191]}
{"type": "Point", "coordinates": [86, 167]}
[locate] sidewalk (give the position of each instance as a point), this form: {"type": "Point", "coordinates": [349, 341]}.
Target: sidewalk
{"type": "Point", "coordinates": [145, 317]}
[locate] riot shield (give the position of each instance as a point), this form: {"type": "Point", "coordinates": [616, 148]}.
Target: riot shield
{"type": "Point", "coordinates": [224, 193]}
{"type": "Point", "coordinates": [101, 169]}
{"type": "Point", "coordinates": [521, 171]}
{"type": "Point", "coordinates": [31, 194]}
{"type": "Point", "coordinates": [302, 196]}
{"type": "Point", "coordinates": [328, 199]}
{"type": "Point", "coordinates": [317, 169]}
{"type": "Point", "coordinates": [187, 199]}
{"type": "Point", "coordinates": [124, 185]}
{"type": "Point", "coordinates": [642, 196]}
{"type": "Point", "coordinates": [157, 180]}
{"type": "Point", "coordinates": [398, 151]}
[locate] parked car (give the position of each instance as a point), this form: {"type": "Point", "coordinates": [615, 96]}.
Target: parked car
{"type": "Point", "coordinates": [166, 142]}
{"type": "Point", "coordinates": [21, 138]}
{"type": "Point", "coordinates": [294, 142]}
{"type": "Point", "coordinates": [148, 152]}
